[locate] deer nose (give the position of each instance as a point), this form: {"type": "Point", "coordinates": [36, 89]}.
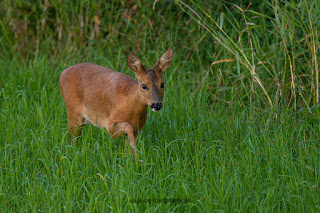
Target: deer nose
{"type": "Point", "coordinates": [156, 106]}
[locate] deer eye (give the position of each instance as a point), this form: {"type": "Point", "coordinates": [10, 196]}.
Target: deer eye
{"type": "Point", "coordinates": [162, 85]}
{"type": "Point", "coordinates": [144, 87]}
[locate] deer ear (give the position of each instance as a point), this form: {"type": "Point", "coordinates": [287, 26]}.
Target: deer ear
{"type": "Point", "coordinates": [134, 63]}
{"type": "Point", "coordinates": [164, 62]}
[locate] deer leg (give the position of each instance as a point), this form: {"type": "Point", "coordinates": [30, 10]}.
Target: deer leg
{"type": "Point", "coordinates": [75, 121]}
{"type": "Point", "coordinates": [118, 128]}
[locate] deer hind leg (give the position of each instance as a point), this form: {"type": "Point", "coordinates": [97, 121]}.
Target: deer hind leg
{"type": "Point", "coordinates": [75, 121]}
{"type": "Point", "coordinates": [118, 128]}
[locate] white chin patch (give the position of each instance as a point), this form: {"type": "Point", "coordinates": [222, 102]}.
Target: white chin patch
{"type": "Point", "coordinates": [154, 110]}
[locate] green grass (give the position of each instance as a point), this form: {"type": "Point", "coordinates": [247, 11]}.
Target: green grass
{"type": "Point", "coordinates": [217, 144]}
{"type": "Point", "coordinates": [228, 159]}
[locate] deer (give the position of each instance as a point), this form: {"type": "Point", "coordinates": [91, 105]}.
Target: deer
{"type": "Point", "coordinates": [99, 96]}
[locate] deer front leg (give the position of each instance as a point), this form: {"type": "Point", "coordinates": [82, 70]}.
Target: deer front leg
{"type": "Point", "coordinates": [75, 121]}
{"type": "Point", "coordinates": [117, 129]}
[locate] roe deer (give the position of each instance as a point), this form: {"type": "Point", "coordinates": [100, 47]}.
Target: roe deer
{"type": "Point", "coordinates": [108, 99]}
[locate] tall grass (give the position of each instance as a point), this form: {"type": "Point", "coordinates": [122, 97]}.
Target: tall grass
{"type": "Point", "coordinates": [228, 159]}
{"type": "Point", "coordinates": [277, 53]}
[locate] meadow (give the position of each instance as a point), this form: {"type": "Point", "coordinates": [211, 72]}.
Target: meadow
{"type": "Point", "coordinates": [239, 130]}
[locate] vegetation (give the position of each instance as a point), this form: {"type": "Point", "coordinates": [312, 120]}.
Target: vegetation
{"type": "Point", "coordinates": [239, 130]}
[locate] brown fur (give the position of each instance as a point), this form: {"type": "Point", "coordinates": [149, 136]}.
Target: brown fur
{"type": "Point", "coordinates": [108, 99]}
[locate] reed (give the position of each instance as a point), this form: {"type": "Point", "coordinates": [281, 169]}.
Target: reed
{"type": "Point", "coordinates": [276, 52]}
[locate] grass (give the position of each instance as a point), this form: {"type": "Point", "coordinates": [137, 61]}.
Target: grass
{"type": "Point", "coordinates": [217, 144]}
{"type": "Point", "coordinates": [228, 159]}
{"type": "Point", "coordinates": [276, 51]}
